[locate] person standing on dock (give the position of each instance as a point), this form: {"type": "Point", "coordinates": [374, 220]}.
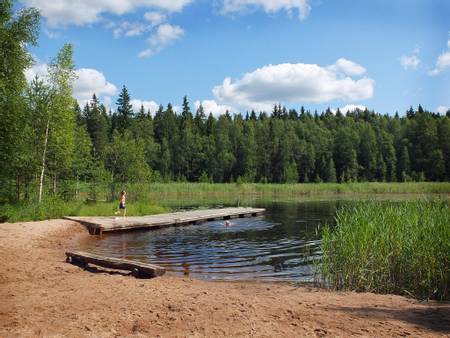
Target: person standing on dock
{"type": "Point", "coordinates": [122, 206]}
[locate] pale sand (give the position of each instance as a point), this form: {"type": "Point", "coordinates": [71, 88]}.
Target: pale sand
{"type": "Point", "coordinates": [42, 295]}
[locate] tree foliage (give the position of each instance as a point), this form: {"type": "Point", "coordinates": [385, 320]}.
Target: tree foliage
{"type": "Point", "coordinates": [46, 137]}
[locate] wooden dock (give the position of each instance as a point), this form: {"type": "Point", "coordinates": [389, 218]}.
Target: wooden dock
{"type": "Point", "coordinates": [98, 225]}
{"type": "Point", "coordinates": [138, 269]}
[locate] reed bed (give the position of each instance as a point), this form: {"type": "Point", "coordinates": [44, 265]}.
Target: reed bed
{"type": "Point", "coordinates": [302, 188]}
{"type": "Point", "coordinates": [390, 247]}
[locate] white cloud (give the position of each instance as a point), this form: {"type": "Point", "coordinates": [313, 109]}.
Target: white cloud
{"type": "Point", "coordinates": [348, 67]}
{"type": "Point", "coordinates": [164, 35]}
{"type": "Point", "coordinates": [128, 29]}
{"type": "Point", "coordinates": [349, 108]}
{"type": "Point", "coordinates": [151, 106]}
{"type": "Point", "coordinates": [297, 83]}
{"type": "Point", "coordinates": [39, 69]}
{"type": "Point", "coordinates": [443, 61]}
{"type": "Point", "coordinates": [409, 61]}
{"type": "Point", "coordinates": [88, 82]}
{"type": "Point", "coordinates": [155, 18]}
{"type": "Point", "coordinates": [442, 109]}
{"type": "Point", "coordinates": [211, 106]}
{"type": "Point", "coordinates": [82, 12]}
{"type": "Point", "coordinates": [301, 7]}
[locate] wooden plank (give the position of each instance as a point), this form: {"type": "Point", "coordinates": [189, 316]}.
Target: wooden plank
{"type": "Point", "coordinates": [138, 268]}
{"type": "Point", "coordinates": [97, 225]}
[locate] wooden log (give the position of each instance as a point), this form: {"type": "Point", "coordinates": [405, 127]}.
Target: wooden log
{"type": "Point", "coordinates": [137, 268]}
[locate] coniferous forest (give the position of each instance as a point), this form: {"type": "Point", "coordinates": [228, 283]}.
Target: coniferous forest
{"type": "Point", "coordinates": [48, 141]}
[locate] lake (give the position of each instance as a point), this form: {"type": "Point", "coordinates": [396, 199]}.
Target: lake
{"type": "Point", "coordinates": [279, 246]}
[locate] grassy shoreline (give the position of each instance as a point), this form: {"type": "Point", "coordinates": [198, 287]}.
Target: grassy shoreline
{"type": "Point", "coordinates": [152, 198]}
{"type": "Point", "coordinates": [303, 188]}
{"type": "Point", "coordinates": [56, 208]}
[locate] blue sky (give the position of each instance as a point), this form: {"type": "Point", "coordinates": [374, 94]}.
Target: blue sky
{"type": "Point", "coordinates": [244, 54]}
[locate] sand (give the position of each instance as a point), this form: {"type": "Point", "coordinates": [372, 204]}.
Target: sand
{"type": "Point", "coordinates": [42, 295]}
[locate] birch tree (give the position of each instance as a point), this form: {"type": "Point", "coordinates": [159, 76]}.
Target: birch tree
{"type": "Point", "coordinates": [58, 146]}
{"type": "Point", "coordinates": [17, 31]}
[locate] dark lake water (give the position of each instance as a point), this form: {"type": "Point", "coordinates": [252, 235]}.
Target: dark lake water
{"type": "Point", "coordinates": [279, 246]}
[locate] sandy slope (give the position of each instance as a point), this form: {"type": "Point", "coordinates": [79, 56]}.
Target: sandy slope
{"type": "Point", "coordinates": [41, 295]}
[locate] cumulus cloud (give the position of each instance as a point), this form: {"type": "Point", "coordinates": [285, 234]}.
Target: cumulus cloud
{"type": "Point", "coordinates": [155, 18]}
{"type": "Point", "coordinates": [443, 61]}
{"type": "Point", "coordinates": [300, 7]}
{"type": "Point", "coordinates": [211, 106]}
{"type": "Point", "coordinates": [164, 35]}
{"type": "Point", "coordinates": [91, 81]}
{"type": "Point", "coordinates": [296, 83]}
{"type": "Point", "coordinates": [82, 12]}
{"type": "Point", "coordinates": [347, 67]}
{"type": "Point", "coordinates": [151, 106]}
{"type": "Point", "coordinates": [88, 81]}
{"type": "Point", "coordinates": [442, 109]}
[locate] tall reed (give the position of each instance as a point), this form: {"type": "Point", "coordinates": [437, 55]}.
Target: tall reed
{"type": "Point", "coordinates": [298, 189]}
{"type": "Point", "coordinates": [395, 247]}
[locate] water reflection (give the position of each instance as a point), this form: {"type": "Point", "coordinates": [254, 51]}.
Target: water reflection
{"type": "Point", "coordinates": [280, 245]}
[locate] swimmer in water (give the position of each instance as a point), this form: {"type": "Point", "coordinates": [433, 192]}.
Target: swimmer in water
{"type": "Point", "coordinates": [227, 223]}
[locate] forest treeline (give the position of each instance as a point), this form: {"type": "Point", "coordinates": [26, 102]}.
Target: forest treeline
{"type": "Point", "coordinates": [50, 143]}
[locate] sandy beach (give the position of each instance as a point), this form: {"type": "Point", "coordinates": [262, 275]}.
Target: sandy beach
{"type": "Point", "coordinates": [42, 295]}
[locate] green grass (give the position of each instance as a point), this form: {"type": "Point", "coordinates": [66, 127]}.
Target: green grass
{"type": "Point", "coordinates": [150, 198]}
{"type": "Point", "coordinates": [396, 247]}
{"type": "Point", "coordinates": [56, 208]}
{"type": "Point", "coordinates": [156, 190]}
{"type": "Point", "coordinates": [300, 189]}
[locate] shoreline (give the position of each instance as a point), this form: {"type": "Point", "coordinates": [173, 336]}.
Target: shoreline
{"type": "Point", "coordinates": [42, 295]}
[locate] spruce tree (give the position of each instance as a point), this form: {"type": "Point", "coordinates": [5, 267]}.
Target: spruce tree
{"type": "Point", "coordinates": [124, 111]}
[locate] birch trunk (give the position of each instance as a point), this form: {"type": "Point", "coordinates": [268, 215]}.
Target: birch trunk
{"type": "Point", "coordinates": [41, 181]}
